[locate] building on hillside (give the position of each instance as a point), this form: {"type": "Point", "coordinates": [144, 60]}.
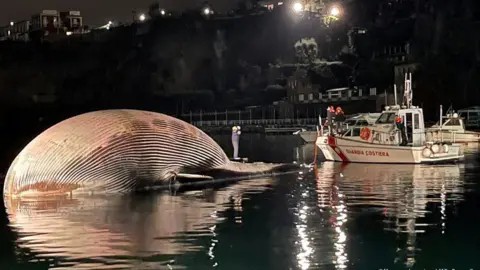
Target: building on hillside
{"type": "Point", "coordinates": [43, 24]}
{"type": "Point", "coordinates": [270, 4]}
{"type": "Point", "coordinates": [17, 31]}
{"type": "Point", "coordinates": [71, 20]}
{"type": "Point", "coordinates": [46, 21]}
{"type": "Point", "coordinates": [403, 62]}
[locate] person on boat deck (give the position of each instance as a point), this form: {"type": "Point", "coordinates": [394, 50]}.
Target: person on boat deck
{"type": "Point", "coordinates": [330, 115]}
{"type": "Point", "coordinates": [401, 128]}
{"type": "Point", "coordinates": [235, 140]}
{"type": "Point", "coordinates": [339, 119]}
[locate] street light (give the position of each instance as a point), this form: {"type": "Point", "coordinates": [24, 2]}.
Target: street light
{"type": "Point", "coordinates": [298, 7]}
{"type": "Point", "coordinates": [142, 17]}
{"type": "Point", "coordinates": [162, 12]}
{"type": "Point", "coordinates": [207, 11]}
{"type": "Point", "coordinates": [334, 11]}
{"type": "Point", "coordinates": [11, 23]}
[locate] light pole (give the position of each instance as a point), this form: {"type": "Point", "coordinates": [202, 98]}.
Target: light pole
{"type": "Point", "coordinates": [313, 8]}
{"type": "Point", "coordinates": [334, 11]}
{"type": "Point", "coordinates": [297, 7]}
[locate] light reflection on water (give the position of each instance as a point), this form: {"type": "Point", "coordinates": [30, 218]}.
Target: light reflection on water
{"type": "Point", "coordinates": [125, 231]}
{"type": "Point", "coordinates": [400, 192]}
{"type": "Point", "coordinates": [303, 221]}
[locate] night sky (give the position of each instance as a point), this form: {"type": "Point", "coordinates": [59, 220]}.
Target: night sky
{"type": "Point", "coordinates": [97, 12]}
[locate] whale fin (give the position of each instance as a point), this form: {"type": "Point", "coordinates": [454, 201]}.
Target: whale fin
{"type": "Point", "coordinates": [191, 176]}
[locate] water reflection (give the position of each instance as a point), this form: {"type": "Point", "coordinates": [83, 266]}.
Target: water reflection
{"type": "Point", "coordinates": [304, 153]}
{"type": "Point", "coordinates": [141, 231]}
{"type": "Point", "coordinates": [399, 192]}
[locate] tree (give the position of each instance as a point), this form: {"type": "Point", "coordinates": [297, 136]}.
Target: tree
{"type": "Point", "coordinates": [306, 50]}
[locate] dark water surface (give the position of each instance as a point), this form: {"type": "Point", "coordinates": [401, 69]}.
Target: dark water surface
{"type": "Point", "coordinates": [353, 216]}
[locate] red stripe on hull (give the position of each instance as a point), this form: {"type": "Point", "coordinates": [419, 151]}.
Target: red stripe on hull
{"type": "Point", "coordinates": [332, 142]}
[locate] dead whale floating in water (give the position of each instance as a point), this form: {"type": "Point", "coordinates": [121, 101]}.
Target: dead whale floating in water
{"type": "Point", "coordinates": [118, 151]}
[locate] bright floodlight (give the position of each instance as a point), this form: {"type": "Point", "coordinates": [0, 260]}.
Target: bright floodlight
{"type": "Point", "coordinates": [11, 23]}
{"type": "Point", "coordinates": [109, 22]}
{"type": "Point", "coordinates": [162, 12]}
{"type": "Point", "coordinates": [297, 7]}
{"type": "Point", "coordinates": [206, 11]}
{"type": "Point", "coordinates": [142, 17]}
{"type": "Point", "coordinates": [335, 11]}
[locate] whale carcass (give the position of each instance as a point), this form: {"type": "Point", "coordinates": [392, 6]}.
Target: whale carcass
{"type": "Point", "coordinates": [116, 151]}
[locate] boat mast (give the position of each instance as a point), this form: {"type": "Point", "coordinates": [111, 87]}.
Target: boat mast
{"type": "Point", "coordinates": [408, 94]}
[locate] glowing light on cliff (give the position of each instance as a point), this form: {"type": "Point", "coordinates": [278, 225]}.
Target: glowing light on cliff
{"type": "Point", "coordinates": [335, 11]}
{"type": "Point", "coordinates": [142, 17]}
{"type": "Point", "coordinates": [298, 7]}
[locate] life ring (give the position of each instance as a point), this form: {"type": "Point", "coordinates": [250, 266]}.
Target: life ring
{"type": "Point", "coordinates": [365, 133]}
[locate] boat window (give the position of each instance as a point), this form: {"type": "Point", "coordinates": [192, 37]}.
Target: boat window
{"type": "Point", "coordinates": [452, 122]}
{"type": "Point", "coordinates": [416, 121]}
{"type": "Point", "coordinates": [386, 118]}
{"type": "Point", "coordinates": [356, 132]}
{"type": "Point", "coordinates": [350, 122]}
{"type": "Point", "coordinates": [362, 123]}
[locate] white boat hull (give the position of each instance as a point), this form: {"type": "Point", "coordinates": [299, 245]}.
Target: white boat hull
{"type": "Point", "coordinates": [457, 137]}
{"type": "Point", "coordinates": [351, 150]}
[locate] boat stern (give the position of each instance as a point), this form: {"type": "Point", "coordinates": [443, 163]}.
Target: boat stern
{"type": "Point", "coordinates": [440, 153]}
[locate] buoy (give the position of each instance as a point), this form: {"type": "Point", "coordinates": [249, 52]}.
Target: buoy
{"type": "Point", "coordinates": [427, 152]}
{"type": "Point", "coordinates": [436, 148]}
{"type": "Point", "coordinates": [445, 148]}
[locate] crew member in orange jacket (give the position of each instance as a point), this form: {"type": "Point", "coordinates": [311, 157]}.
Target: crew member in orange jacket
{"type": "Point", "coordinates": [401, 127]}
{"type": "Point", "coordinates": [330, 115]}
{"type": "Point", "coordinates": [339, 119]}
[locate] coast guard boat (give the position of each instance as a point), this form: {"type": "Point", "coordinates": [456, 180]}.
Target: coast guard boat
{"type": "Point", "coordinates": [380, 143]}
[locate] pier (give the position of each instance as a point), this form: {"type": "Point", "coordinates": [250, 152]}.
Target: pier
{"type": "Point", "coordinates": [222, 122]}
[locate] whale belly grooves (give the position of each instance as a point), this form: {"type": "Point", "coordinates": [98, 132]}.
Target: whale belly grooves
{"type": "Point", "coordinates": [111, 151]}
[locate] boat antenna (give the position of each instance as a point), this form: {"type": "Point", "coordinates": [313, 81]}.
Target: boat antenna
{"type": "Point", "coordinates": [441, 116]}
{"type": "Point", "coordinates": [411, 89]}
{"type": "Point", "coordinates": [395, 93]}
{"type": "Point", "coordinates": [408, 94]}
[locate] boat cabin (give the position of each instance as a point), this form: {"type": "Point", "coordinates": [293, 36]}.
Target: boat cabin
{"type": "Point", "coordinates": [385, 126]}
{"type": "Point", "coordinates": [363, 119]}
{"type": "Point", "coordinates": [471, 116]}
{"type": "Point", "coordinates": [451, 122]}
{"type": "Point", "coordinates": [353, 131]}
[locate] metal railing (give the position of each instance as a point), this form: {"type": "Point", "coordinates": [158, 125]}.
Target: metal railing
{"type": "Point", "coordinates": [258, 122]}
